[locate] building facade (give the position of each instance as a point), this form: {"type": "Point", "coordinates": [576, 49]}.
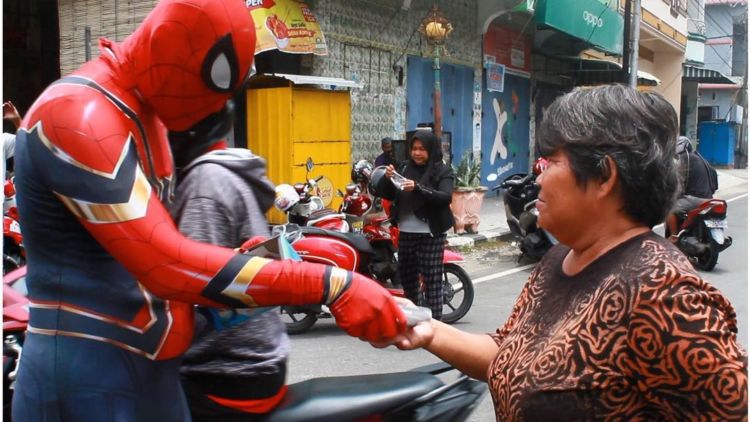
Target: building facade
{"type": "Point", "coordinates": [377, 43]}
{"type": "Point", "coordinates": [715, 81]}
{"type": "Point", "coordinates": [503, 63]}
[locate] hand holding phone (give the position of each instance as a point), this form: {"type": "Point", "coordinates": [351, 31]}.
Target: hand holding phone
{"type": "Point", "coordinates": [398, 180]}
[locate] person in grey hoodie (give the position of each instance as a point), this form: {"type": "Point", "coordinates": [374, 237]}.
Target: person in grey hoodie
{"type": "Point", "coordinates": [236, 366]}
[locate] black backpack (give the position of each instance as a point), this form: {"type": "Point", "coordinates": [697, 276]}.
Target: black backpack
{"type": "Point", "coordinates": [684, 153]}
{"type": "Point", "coordinates": [713, 177]}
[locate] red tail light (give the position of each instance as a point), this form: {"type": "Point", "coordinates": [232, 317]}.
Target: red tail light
{"type": "Point", "coordinates": [719, 207]}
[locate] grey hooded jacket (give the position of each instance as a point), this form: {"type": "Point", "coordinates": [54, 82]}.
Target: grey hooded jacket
{"type": "Point", "coordinates": [221, 199]}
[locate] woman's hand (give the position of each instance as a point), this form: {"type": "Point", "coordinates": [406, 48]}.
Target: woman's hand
{"type": "Point", "coordinates": [416, 337]}
{"type": "Point", "coordinates": [389, 171]}
{"type": "Point", "coordinates": [408, 185]}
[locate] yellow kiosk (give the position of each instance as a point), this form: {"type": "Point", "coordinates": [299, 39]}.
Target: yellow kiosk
{"type": "Point", "coordinates": [293, 117]}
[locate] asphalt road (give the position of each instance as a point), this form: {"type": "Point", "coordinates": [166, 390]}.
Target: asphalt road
{"type": "Point", "coordinates": [327, 351]}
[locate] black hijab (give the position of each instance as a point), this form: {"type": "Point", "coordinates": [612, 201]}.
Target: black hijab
{"type": "Point", "coordinates": [425, 175]}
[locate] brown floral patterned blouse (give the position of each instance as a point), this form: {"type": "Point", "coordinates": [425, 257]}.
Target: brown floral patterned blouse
{"type": "Point", "coordinates": [637, 335]}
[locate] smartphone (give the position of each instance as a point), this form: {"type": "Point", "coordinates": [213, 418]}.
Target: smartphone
{"type": "Point", "coordinates": [398, 180]}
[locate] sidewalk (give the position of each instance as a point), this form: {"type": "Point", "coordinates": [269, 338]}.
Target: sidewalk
{"type": "Point", "coordinates": [492, 223]}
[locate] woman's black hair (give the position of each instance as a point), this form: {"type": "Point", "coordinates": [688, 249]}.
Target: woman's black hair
{"type": "Point", "coordinates": [638, 130]}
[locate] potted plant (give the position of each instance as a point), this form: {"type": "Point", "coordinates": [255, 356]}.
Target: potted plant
{"type": "Point", "coordinates": [467, 194]}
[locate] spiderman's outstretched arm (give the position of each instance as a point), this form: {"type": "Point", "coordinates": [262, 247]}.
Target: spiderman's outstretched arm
{"type": "Point", "coordinates": [98, 177]}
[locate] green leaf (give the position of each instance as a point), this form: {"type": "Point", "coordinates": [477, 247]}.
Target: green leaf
{"type": "Point", "coordinates": [467, 173]}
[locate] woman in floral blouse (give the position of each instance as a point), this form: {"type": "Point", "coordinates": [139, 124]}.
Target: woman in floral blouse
{"type": "Point", "coordinates": [614, 323]}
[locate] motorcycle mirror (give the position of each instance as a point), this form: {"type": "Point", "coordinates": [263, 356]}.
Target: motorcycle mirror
{"type": "Point", "coordinates": [492, 177]}
{"type": "Point", "coordinates": [309, 164]}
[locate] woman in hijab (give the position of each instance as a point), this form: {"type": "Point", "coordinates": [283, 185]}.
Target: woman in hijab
{"type": "Point", "coordinates": [421, 210]}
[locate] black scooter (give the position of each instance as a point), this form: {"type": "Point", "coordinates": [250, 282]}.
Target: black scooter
{"type": "Point", "coordinates": [520, 196]}
{"type": "Point", "coordinates": [701, 233]}
{"type": "Point", "coordinates": [416, 395]}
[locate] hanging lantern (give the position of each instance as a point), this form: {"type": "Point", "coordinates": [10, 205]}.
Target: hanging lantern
{"type": "Point", "coordinates": [435, 27]}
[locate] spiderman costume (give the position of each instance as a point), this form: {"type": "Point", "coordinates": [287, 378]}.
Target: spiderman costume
{"type": "Point", "coordinates": [111, 280]}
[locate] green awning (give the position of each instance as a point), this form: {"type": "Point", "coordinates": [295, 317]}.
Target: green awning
{"type": "Point", "coordinates": [588, 20]}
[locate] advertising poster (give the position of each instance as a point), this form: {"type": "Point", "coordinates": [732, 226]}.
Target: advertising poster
{"type": "Point", "coordinates": [287, 25]}
{"type": "Point", "coordinates": [495, 77]}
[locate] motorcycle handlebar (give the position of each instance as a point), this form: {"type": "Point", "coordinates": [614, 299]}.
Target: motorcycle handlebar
{"type": "Point", "coordinates": [510, 183]}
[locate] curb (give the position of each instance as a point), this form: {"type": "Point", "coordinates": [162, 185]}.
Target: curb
{"type": "Point", "coordinates": [468, 240]}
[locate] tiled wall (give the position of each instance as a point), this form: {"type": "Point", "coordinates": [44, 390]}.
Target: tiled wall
{"type": "Point", "coordinates": [366, 38]}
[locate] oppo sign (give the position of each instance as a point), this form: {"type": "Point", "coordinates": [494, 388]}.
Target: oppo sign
{"type": "Point", "coordinates": [592, 19]}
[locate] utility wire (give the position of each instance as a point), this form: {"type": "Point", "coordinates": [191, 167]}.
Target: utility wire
{"type": "Point", "coordinates": [408, 42]}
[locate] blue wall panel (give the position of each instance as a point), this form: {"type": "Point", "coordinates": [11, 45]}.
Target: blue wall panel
{"type": "Point", "coordinates": [456, 84]}
{"type": "Point", "coordinates": [505, 128]}
{"type": "Point", "coordinates": [717, 142]}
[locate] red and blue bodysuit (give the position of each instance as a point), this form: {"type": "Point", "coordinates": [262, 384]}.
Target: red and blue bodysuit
{"type": "Point", "coordinates": [111, 280]}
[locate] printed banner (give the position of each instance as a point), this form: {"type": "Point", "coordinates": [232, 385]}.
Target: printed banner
{"type": "Point", "coordinates": [495, 77]}
{"type": "Point", "coordinates": [287, 25]}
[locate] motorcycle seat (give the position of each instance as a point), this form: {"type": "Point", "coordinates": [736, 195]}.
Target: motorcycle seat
{"type": "Point", "coordinates": [351, 397]}
{"type": "Point", "coordinates": [360, 243]}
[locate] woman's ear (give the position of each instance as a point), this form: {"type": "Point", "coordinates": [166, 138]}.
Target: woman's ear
{"type": "Point", "coordinates": [610, 176]}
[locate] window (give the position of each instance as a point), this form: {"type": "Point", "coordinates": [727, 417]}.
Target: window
{"type": "Point", "coordinates": [708, 113]}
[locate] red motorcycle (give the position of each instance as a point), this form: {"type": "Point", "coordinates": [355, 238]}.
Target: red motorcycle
{"type": "Point", "coordinates": [14, 254]}
{"type": "Point", "coordinates": [415, 395]}
{"type": "Point", "coordinates": [15, 320]}
{"type": "Point", "coordinates": [701, 233]}
{"type": "Point", "coordinates": [372, 252]}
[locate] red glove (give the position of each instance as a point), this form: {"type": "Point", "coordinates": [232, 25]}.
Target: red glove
{"type": "Point", "coordinates": [249, 243]}
{"type": "Point", "coordinates": [366, 310]}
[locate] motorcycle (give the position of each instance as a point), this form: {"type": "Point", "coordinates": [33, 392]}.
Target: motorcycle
{"type": "Point", "coordinates": [701, 233]}
{"type": "Point", "coordinates": [519, 198]}
{"type": "Point", "coordinates": [302, 205]}
{"type": "Point", "coordinates": [15, 320]}
{"type": "Point", "coordinates": [415, 395]}
{"type": "Point", "coordinates": [372, 251]}
{"type": "Point", "coordinates": [14, 254]}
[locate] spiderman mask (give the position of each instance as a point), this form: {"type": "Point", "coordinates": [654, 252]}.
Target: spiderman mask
{"type": "Point", "coordinates": [188, 59]}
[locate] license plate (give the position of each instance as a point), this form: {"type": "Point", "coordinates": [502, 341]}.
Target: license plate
{"type": "Point", "coordinates": [357, 226]}
{"type": "Point", "coordinates": [716, 224]}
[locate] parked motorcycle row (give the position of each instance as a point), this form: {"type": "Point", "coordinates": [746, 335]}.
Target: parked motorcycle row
{"type": "Point", "coordinates": [701, 230]}
{"type": "Point", "coordinates": [421, 394]}
{"type": "Point", "coordinates": [358, 237]}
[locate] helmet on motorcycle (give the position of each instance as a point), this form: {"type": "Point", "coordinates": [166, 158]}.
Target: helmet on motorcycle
{"type": "Point", "coordinates": [286, 197]}
{"type": "Point", "coordinates": [377, 179]}
{"type": "Point", "coordinates": [361, 171]}
{"type": "Point", "coordinates": [539, 165]}
{"type": "Point", "coordinates": [683, 144]}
